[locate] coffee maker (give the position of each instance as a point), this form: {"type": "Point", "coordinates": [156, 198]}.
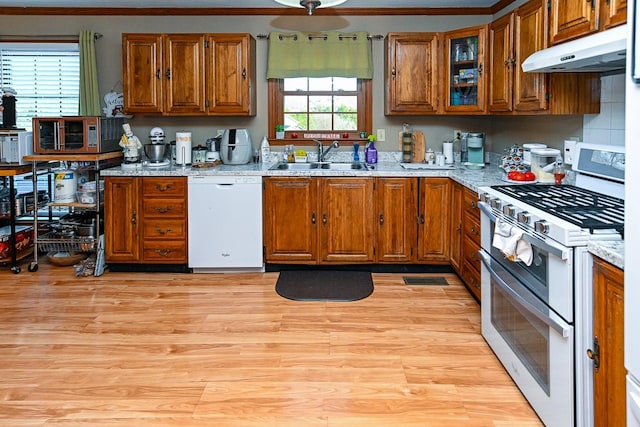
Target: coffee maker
{"type": "Point", "coordinates": [475, 149]}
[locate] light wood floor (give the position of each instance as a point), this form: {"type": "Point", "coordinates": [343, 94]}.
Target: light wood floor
{"type": "Point", "coordinates": [225, 350]}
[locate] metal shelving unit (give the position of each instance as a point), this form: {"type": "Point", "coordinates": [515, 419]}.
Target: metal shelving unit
{"type": "Point", "coordinates": [51, 242]}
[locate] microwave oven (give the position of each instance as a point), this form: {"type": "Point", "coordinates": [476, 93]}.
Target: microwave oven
{"type": "Point", "coordinates": [14, 145]}
{"type": "Point", "coordinates": [77, 134]}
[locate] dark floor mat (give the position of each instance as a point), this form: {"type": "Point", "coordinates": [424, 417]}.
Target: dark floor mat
{"type": "Point", "coordinates": [324, 285]}
{"type": "Point", "coordinates": [436, 281]}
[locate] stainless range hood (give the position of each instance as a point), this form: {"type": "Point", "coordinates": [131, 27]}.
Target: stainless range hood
{"type": "Point", "coordinates": [599, 52]}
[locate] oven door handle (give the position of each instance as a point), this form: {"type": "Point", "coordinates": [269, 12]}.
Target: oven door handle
{"type": "Point", "coordinates": [562, 254]}
{"type": "Point", "coordinates": [486, 260]}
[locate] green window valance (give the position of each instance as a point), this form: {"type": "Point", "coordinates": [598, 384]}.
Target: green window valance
{"type": "Point", "coordinates": [326, 54]}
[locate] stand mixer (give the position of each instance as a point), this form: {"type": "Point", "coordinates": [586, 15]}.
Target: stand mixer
{"type": "Point", "coordinates": [157, 151]}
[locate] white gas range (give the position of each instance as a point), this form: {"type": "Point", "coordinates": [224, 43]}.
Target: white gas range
{"type": "Point", "coordinates": [537, 310]}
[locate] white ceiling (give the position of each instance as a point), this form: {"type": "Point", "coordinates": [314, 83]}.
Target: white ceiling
{"type": "Point", "coordinates": [240, 3]}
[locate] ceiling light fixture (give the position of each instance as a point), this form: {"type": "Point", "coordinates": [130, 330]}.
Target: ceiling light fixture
{"type": "Point", "coordinates": [310, 5]}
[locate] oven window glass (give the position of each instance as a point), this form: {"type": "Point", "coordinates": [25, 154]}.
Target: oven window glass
{"type": "Point", "coordinates": [535, 276]}
{"type": "Point", "coordinates": [526, 335]}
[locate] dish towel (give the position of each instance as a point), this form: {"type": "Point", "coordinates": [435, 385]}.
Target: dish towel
{"type": "Point", "coordinates": [508, 239]}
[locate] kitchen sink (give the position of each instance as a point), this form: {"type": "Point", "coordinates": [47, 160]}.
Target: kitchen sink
{"type": "Point", "coordinates": [321, 165]}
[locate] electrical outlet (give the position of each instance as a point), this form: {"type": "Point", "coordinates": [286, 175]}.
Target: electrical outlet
{"type": "Point", "coordinates": [457, 133]}
{"type": "Point", "coordinates": [380, 135]}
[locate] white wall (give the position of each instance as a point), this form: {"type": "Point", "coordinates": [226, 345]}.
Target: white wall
{"type": "Point", "coordinates": [608, 126]}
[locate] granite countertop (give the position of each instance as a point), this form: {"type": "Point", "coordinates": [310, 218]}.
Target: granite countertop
{"type": "Point", "coordinates": [388, 166]}
{"type": "Point", "coordinates": [610, 251]}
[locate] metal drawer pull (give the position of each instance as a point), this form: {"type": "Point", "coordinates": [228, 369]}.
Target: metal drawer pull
{"type": "Point", "coordinates": [164, 187]}
{"type": "Point", "coordinates": [164, 210]}
{"type": "Point", "coordinates": [163, 232]}
{"type": "Point", "coordinates": [163, 252]}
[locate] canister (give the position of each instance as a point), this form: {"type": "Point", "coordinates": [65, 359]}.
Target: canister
{"type": "Point", "coordinates": [526, 152]}
{"type": "Point", "coordinates": [543, 160]}
{"type": "Point", "coordinates": [199, 154]}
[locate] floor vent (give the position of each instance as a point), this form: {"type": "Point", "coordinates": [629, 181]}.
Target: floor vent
{"type": "Point", "coordinates": [437, 281]}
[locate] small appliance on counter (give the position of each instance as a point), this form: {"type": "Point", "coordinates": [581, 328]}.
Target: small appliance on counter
{"type": "Point", "coordinates": [235, 147]}
{"type": "Point", "coordinates": [157, 150]}
{"type": "Point", "coordinates": [475, 150]}
{"type": "Point", "coordinates": [543, 161]}
{"type": "Point", "coordinates": [213, 148]}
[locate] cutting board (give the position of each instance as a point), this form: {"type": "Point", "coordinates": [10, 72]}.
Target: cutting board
{"type": "Point", "coordinates": [419, 146]}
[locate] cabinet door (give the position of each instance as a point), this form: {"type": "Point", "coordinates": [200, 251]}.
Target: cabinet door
{"type": "Point", "coordinates": [230, 74]}
{"type": "Point", "coordinates": [464, 70]}
{"type": "Point", "coordinates": [411, 73]}
{"type": "Point", "coordinates": [346, 232]}
{"type": "Point", "coordinates": [434, 220]}
{"type": "Point", "coordinates": [455, 253]}
{"type": "Point", "coordinates": [121, 219]}
{"type": "Point", "coordinates": [396, 218]}
{"type": "Point", "coordinates": [570, 19]}
{"type": "Point", "coordinates": [608, 328]}
{"type": "Point", "coordinates": [529, 89]}
{"type": "Point", "coordinates": [291, 219]}
{"type": "Point", "coordinates": [501, 63]}
{"type": "Point", "coordinates": [184, 63]}
{"type": "Point", "coordinates": [142, 73]}
{"type": "Point", "coordinates": [613, 12]}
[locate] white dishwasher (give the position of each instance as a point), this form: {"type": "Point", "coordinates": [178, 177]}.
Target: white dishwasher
{"type": "Point", "coordinates": [225, 224]}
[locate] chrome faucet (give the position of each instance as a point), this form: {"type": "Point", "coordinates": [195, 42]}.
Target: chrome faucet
{"type": "Point", "coordinates": [317, 141]}
{"type": "Point", "coordinates": [322, 154]}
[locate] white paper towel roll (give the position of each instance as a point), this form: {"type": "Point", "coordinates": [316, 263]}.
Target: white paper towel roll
{"type": "Point", "coordinates": [447, 150]}
{"type": "Point", "coordinates": [183, 148]}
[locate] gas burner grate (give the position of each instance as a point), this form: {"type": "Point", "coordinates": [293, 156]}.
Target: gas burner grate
{"type": "Point", "coordinates": [584, 208]}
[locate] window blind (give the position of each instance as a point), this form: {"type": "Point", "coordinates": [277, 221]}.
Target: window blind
{"type": "Point", "coordinates": [47, 81]}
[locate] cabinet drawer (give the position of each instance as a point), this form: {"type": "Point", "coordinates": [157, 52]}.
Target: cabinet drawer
{"type": "Point", "coordinates": [165, 229]}
{"type": "Point", "coordinates": [164, 208]}
{"type": "Point", "coordinates": [471, 228]}
{"type": "Point", "coordinates": [164, 187]}
{"type": "Point", "coordinates": [470, 254]}
{"type": "Point", "coordinates": [471, 278]}
{"type": "Point", "coordinates": [167, 251]}
{"type": "Point", "coordinates": [470, 204]}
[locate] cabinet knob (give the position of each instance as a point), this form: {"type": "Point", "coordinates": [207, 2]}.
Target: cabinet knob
{"type": "Point", "coordinates": [393, 73]}
{"type": "Point", "coordinates": [158, 74]}
{"type": "Point", "coordinates": [324, 218]}
{"type": "Point", "coordinates": [244, 74]}
{"type": "Point", "coordinates": [134, 218]}
{"type": "Point", "coordinates": [313, 217]}
{"type": "Point", "coordinates": [474, 204]}
{"type": "Point", "coordinates": [168, 73]}
{"type": "Point", "coordinates": [421, 219]}
{"type": "Point", "coordinates": [480, 69]}
{"type": "Point", "coordinates": [381, 219]}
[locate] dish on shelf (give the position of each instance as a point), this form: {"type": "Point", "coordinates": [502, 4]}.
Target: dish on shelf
{"type": "Point", "coordinates": [61, 258]}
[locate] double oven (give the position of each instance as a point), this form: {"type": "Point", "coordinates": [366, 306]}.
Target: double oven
{"type": "Point", "coordinates": [538, 318]}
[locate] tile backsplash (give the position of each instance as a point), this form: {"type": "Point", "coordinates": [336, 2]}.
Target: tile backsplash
{"type": "Point", "coordinates": [608, 126]}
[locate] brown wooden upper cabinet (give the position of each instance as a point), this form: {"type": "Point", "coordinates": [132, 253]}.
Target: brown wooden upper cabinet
{"type": "Point", "coordinates": [411, 73]}
{"type": "Point", "coordinates": [189, 74]}
{"type": "Point", "coordinates": [570, 19]}
{"type": "Point", "coordinates": [512, 38]}
{"type": "Point", "coordinates": [464, 70]}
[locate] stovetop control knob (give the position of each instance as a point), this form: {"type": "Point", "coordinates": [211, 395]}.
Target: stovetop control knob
{"type": "Point", "coordinates": [524, 217]}
{"type": "Point", "coordinates": [542, 227]}
{"type": "Point", "coordinates": [485, 197]}
{"type": "Point", "coordinates": [509, 210]}
{"type": "Point", "coordinates": [496, 204]}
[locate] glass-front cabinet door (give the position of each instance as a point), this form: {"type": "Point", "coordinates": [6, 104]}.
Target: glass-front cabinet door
{"type": "Point", "coordinates": [464, 70]}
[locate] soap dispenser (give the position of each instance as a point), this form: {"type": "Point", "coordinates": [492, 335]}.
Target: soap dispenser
{"type": "Point", "coordinates": [371, 154]}
{"type": "Point", "coordinates": [356, 154]}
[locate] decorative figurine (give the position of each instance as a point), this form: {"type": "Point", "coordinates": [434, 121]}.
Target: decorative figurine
{"type": "Point", "coordinates": [130, 144]}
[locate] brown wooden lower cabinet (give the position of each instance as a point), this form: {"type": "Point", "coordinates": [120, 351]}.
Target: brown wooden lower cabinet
{"type": "Point", "coordinates": [145, 220]}
{"type": "Point", "coordinates": [318, 220]}
{"type": "Point", "coordinates": [465, 237]}
{"type": "Point", "coordinates": [395, 219]}
{"type": "Point", "coordinates": [433, 220]}
{"type": "Point", "coordinates": [608, 330]}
